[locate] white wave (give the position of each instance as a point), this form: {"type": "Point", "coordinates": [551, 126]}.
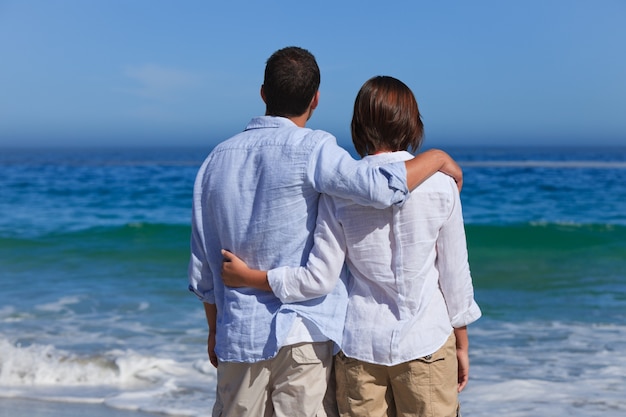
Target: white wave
{"type": "Point", "coordinates": [122, 379]}
{"type": "Point", "coordinates": [9, 314]}
{"type": "Point", "coordinates": [36, 365]}
{"type": "Point", "coordinates": [535, 397]}
{"type": "Point", "coordinates": [523, 369]}
{"type": "Point", "coordinates": [59, 305]}
{"type": "Point", "coordinates": [45, 365]}
{"type": "Point", "coordinates": [545, 164]}
{"type": "Point", "coordinates": [546, 369]}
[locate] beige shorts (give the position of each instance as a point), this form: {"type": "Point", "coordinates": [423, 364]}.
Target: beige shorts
{"type": "Point", "coordinates": [293, 383]}
{"type": "Point", "coordinates": [422, 387]}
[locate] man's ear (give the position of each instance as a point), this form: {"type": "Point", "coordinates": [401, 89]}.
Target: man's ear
{"type": "Point", "coordinates": [316, 100]}
{"type": "Point", "coordinates": [263, 94]}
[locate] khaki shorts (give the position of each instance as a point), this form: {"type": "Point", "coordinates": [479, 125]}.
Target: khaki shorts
{"type": "Point", "coordinates": [422, 387]}
{"type": "Point", "coordinates": [293, 383]}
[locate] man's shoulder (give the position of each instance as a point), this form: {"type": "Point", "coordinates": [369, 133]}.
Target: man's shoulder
{"type": "Point", "coordinates": [322, 134]}
{"type": "Point", "coordinates": [273, 144]}
{"type": "Point", "coordinates": [285, 136]}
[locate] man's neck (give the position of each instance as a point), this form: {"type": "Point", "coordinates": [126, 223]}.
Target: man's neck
{"type": "Point", "coordinates": [301, 120]}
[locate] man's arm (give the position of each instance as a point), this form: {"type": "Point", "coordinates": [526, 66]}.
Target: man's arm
{"type": "Point", "coordinates": [210, 310]}
{"type": "Point", "coordinates": [199, 272]}
{"type": "Point", "coordinates": [427, 163]}
{"type": "Point", "coordinates": [333, 171]}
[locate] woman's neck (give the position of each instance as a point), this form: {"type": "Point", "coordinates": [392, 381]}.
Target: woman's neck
{"type": "Point", "coordinates": [379, 151]}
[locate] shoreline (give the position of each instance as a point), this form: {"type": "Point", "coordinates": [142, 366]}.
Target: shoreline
{"type": "Point", "coordinates": [19, 407]}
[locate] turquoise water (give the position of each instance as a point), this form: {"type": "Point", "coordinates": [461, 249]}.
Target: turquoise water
{"type": "Point", "coordinates": [94, 303]}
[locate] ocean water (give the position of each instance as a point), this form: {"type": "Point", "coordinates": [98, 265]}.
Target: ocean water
{"type": "Point", "coordinates": [94, 306]}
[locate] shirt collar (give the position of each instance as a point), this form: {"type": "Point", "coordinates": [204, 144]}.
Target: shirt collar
{"type": "Point", "coordinates": [389, 157]}
{"type": "Point", "coordinates": [263, 122]}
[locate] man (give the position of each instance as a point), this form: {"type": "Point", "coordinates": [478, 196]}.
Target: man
{"type": "Point", "coordinates": [256, 195]}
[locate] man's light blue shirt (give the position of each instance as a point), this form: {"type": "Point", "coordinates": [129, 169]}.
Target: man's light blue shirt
{"type": "Point", "coordinates": [256, 195]}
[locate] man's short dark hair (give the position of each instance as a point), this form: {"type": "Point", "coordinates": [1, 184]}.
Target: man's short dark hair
{"type": "Point", "coordinates": [292, 78]}
{"type": "Point", "coordinates": [386, 117]}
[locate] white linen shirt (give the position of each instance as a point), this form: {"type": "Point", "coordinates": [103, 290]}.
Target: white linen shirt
{"type": "Point", "coordinates": [409, 281]}
{"type": "Point", "coordinates": [257, 195]}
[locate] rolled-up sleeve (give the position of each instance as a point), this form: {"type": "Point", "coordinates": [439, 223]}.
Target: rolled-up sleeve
{"type": "Point", "coordinates": [333, 171]}
{"type": "Point", "coordinates": [455, 279]}
{"type": "Point", "coordinates": [200, 279]}
{"type": "Point", "coordinates": [198, 271]}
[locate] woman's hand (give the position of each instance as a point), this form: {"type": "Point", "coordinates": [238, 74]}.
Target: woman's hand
{"type": "Point", "coordinates": [236, 273]}
{"type": "Point", "coordinates": [234, 270]}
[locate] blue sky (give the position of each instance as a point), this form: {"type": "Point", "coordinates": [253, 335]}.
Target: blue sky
{"type": "Point", "coordinates": [153, 72]}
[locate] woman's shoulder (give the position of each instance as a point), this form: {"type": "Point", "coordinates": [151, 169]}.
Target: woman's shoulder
{"type": "Point", "coordinates": [439, 182]}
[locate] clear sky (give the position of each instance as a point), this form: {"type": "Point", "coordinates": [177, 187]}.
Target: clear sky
{"type": "Point", "coordinates": [156, 72]}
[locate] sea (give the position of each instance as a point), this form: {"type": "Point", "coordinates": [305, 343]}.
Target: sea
{"type": "Point", "coordinates": [94, 306]}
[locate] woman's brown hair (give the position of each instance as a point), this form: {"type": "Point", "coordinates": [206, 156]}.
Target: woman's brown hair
{"type": "Point", "coordinates": [386, 117]}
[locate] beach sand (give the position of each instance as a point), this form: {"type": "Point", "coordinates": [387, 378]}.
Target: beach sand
{"type": "Point", "coordinates": [10, 407]}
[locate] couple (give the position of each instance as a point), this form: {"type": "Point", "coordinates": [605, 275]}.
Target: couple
{"type": "Point", "coordinates": [290, 201]}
